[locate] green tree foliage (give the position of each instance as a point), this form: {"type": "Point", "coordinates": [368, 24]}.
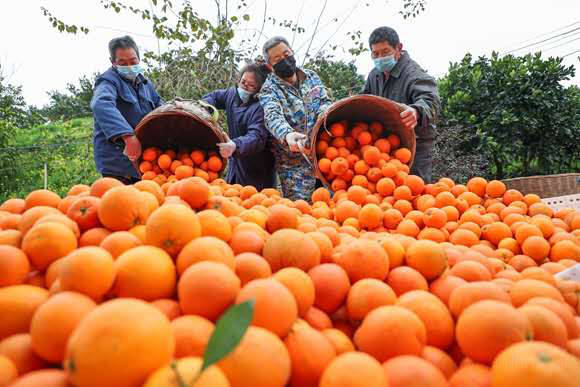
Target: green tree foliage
{"type": "Point", "coordinates": [516, 111]}
{"type": "Point", "coordinates": [74, 103]}
{"type": "Point", "coordinates": [340, 77]}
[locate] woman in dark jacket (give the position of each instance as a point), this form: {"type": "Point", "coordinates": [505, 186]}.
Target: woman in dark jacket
{"type": "Point", "coordinates": [250, 160]}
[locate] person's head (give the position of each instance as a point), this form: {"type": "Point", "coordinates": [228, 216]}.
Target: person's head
{"type": "Point", "coordinates": [252, 77]}
{"type": "Point", "coordinates": [279, 57]}
{"type": "Point", "coordinates": [123, 51]}
{"type": "Point", "coordinates": [384, 43]}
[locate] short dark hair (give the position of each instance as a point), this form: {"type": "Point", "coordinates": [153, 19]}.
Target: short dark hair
{"type": "Point", "coordinates": [384, 34]}
{"type": "Point", "coordinates": [122, 42]}
{"type": "Point", "coordinates": [259, 71]}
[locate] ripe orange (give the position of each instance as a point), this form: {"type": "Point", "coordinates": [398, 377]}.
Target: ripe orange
{"type": "Point", "coordinates": [403, 371]}
{"type": "Point", "coordinates": [535, 364]}
{"type": "Point", "coordinates": [390, 331]}
{"type": "Point", "coordinates": [140, 333]}
{"type": "Point", "coordinates": [207, 289]}
{"type": "Point", "coordinates": [331, 285]}
{"type": "Point", "coordinates": [427, 257]}
{"type": "Point", "coordinates": [366, 295]}
{"type": "Point", "coordinates": [275, 309]}
{"type": "Point", "coordinates": [88, 270]}
{"type": "Point", "coordinates": [364, 259]}
{"type": "Point", "coordinates": [354, 369]}
{"type": "Point", "coordinates": [191, 335]}
{"type": "Point", "coordinates": [291, 248]}
{"type": "Point", "coordinates": [481, 335]}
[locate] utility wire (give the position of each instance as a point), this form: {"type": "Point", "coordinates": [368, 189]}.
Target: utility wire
{"type": "Point", "coordinates": [547, 33]}
{"type": "Point", "coordinates": [542, 41]}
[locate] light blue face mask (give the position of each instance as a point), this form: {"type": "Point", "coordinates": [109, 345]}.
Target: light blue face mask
{"type": "Point", "coordinates": [386, 63]}
{"type": "Point", "coordinates": [130, 72]}
{"type": "Point", "coordinates": [244, 94]}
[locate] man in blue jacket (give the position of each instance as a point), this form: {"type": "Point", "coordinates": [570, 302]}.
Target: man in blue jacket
{"type": "Point", "coordinates": [122, 97]}
{"type": "Point", "coordinates": [250, 161]}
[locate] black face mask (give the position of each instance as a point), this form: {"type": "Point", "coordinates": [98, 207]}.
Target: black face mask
{"type": "Point", "coordinates": [286, 67]}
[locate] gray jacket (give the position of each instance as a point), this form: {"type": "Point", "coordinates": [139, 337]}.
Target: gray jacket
{"type": "Point", "coordinates": [408, 83]}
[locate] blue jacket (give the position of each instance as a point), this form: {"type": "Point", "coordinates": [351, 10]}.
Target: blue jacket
{"type": "Point", "coordinates": [118, 106]}
{"type": "Point", "coordinates": [252, 162]}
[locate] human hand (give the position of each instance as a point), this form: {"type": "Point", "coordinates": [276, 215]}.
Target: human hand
{"type": "Point", "coordinates": [295, 140]}
{"type": "Point", "coordinates": [132, 147]}
{"type": "Point", "coordinates": [409, 117]}
{"type": "Point", "coordinates": [227, 149]}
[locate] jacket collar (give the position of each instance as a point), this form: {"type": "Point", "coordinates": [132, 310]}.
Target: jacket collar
{"type": "Point", "coordinates": [403, 60]}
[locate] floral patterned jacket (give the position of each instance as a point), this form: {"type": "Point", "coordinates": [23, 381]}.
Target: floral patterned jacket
{"type": "Point", "coordinates": [288, 108]}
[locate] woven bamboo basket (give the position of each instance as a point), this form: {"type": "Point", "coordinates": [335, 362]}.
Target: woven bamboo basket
{"type": "Point", "coordinates": [549, 186]}
{"type": "Point", "coordinates": [181, 125]}
{"type": "Point", "coordinates": [363, 108]}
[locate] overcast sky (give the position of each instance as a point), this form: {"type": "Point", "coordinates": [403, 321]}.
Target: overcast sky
{"type": "Point", "coordinates": [36, 56]}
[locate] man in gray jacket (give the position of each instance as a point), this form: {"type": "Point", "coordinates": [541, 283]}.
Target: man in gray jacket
{"type": "Point", "coordinates": [399, 78]}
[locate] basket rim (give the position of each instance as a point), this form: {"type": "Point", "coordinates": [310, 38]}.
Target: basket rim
{"type": "Point", "coordinates": [539, 177]}
{"type": "Point", "coordinates": [218, 131]}
{"type": "Point", "coordinates": [321, 125]}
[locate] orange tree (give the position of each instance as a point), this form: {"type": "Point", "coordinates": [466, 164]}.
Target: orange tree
{"type": "Point", "coordinates": [516, 112]}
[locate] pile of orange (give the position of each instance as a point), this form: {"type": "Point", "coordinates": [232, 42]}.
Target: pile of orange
{"type": "Point", "coordinates": [360, 154]}
{"type": "Point", "coordinates": [164, 166]}
{"type": "Point", "coordinates": [412, 285]}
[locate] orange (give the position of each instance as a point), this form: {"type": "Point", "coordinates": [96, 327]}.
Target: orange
{"type": "Point", "coordinates": [122, 208]}
{"type": "Point", "coordinates": [41, 197]}
{"type": "Point", "coordinates": [339, 340]}
{"type": "Point", "coordinates": [291, 248]}
{"type": "Point", "coordinates": [471, 271]}
{"type": "Point", "coordinates": [466, 295]}
{"type": "Point", "coordinates": [331, 285]}
{"type": "Point", "coordinates": [310, 353]}
{"type": "Point", "coordinates": [8, 371]}
{"type": "Point", "coordinates": [195, 191]}
{"type": "Point", "coordinates": [246, 241]}
{"type": "Point", "coordinates": [14, 265]}
{"type": "Point", "coordinates": [84, 211]}
{"type": "Point", "coordinates": [439, 359]}
{"type": "Point", "coordinates": [427, 257]}
{"type": "Point", "coordinates": [207, 289]}
{"type": "Point", "coordinates": [443, 287]}
{"type": "Point", "coordinates": [565, 249]}
{"type": "Point", "coordinates": [170, 308]}
{"type": "Point", "coordinates": [300, 285]}
{"type": "Point", "coordinates": [434, 315]}
{"type": "Point", "coordinates": [188, 368]}
{"type": "Point", "coordinates": [535, 364]}
{"type": "Point", "coordinates": [547, 326]}
{"type": "Point", "coordinates": [463, 237]}
{"type": "Point", "coordinates": [324, 244]}
{"type": "Point", "coordinates": [261, 359]}
{"type": "Point", "coordinates": [18, 349]}
{"type": "Point", "coordinates": [367, 295]}
{"type": "Point", "coordinates": [53, 323]}
{"type": "Point", "coordinates": [527, 289]}
{"type": "Point", "coordinates": [536, 247]}
{"type": "Point", "coordinates": [119, 242]}
{"type": "Point", "coordinates": [250, 266]}
{"type": "Point", "coordinates": [88, 270]}
{"type": "Point", "coordinates": [275, 309]}
{"type": "Point", "coordinates": [138, 268]}
{"type": "Point", "coordinates": [391, 331]}
{"type": "Point", "coordinates": [191, 335]}
{"type": "Point", "coordinates": [47, 242]}
{"type": "Point", "coordinates": [140, 333]}
{"type": "Point", "coordinates": [404, 279]}
{"type": "Point", "coordinates": [562, 310]}
{"type": "Point", "coordinates": [406, 370]}
{"type": "Point", "coordinates": [481, 335]}
{"type": "Point", "coordinates": [317, 319]}
{"type": "Point", "coordinates": [206, 248]}
{"type": "Point", "coordinates": [473, 375]}
{"type": "Point", "coordinates": [354, 369]}
{"type": "Point", "coordinates": [364, 259]}
{"type": "Point", "coordinates": [17, 306]}
{"type": "Point", "coordinates": [525, 231]}
{"type": "Point", "coordinates": [403, 155]}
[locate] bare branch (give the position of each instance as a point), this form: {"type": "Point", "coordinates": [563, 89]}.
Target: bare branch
{"type": "Point", "coordinates": [314, 32]}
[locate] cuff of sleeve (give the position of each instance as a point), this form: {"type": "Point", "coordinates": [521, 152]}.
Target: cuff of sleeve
{"type": "Point", "coordinates": [238, 145]}
{"type": "Point", "coordinates": [283, 135]}
{"type": "Point", "coordinates": [421, 119]}
{"type": "Point", "coordinates": [117, 137]}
